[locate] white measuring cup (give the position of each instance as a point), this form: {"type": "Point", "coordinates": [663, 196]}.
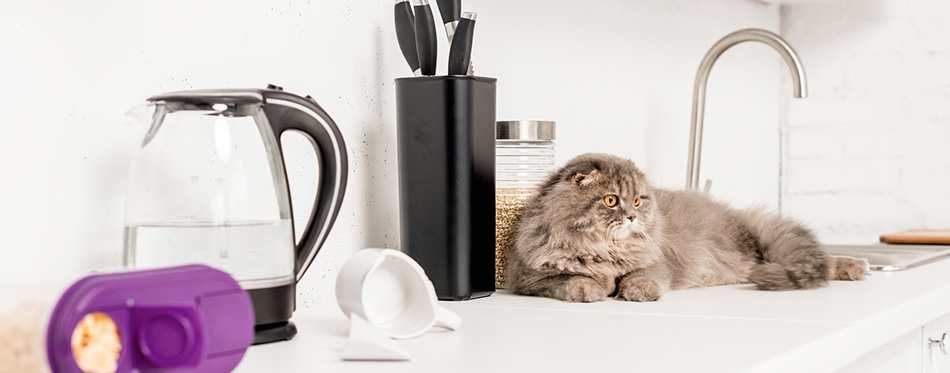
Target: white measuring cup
{"type": "Point", "coordinates": [392, 292]}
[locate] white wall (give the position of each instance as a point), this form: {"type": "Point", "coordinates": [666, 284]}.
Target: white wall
{"type": "Point", "coordinates": [616, 75]}
{"type": "Point", "coordinates": [867, 152]}
{"type": "Point", "coordinates": [618, 78]}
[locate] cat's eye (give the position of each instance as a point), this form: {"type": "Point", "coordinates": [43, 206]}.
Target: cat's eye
{"type": "Point", "coordinates": [636, 203]}
{"type": "Point", "coordinates": [611, 200]}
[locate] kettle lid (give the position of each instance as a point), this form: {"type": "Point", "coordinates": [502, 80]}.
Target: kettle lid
{"type": "Point", "coordinates": [212, 96]}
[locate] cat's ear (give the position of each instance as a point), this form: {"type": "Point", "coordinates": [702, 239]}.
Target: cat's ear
{"type": "Point", "coordinates": [584, 179]}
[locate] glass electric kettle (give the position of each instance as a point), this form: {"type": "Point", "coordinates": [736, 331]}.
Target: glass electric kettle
{"type": "Point", "coordinates": [208, 186]}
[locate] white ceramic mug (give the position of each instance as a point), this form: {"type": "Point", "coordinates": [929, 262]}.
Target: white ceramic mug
{"type": "Point", "coordinates": [392, 292]}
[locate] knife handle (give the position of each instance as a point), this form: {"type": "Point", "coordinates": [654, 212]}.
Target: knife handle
{"type": "Point", "coordinates": [450, 30]}
{"type": "Point", "coordinates": [425, 37]}
{"type": "Point", "coordinates": [460, 53]}
{"type": "Point", "coordinates": [406, 34]}
{"type": "Point", "coordinates": [451, 11]}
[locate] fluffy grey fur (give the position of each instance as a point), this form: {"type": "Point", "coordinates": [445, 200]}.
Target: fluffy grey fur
{"type": "Point", "coordinates": [571, 245]}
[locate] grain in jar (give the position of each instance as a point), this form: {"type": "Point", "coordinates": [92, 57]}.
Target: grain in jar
{"type": "Point", "coordinates": [524, 156]}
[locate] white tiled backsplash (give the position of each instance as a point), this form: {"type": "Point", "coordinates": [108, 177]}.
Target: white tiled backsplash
{"type": "Point", "coordinates": [616, 75]}
{"type": "Point", "coordinates": [869, 151]}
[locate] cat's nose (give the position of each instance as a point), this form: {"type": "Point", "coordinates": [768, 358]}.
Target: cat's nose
{"type": "Point", "coordinates": [631, 217]}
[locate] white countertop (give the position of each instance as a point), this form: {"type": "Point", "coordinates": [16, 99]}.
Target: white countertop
{"type": "Point", "coordinates": [726, 328]}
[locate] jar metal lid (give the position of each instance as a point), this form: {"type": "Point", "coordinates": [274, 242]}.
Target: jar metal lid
{"type": "Point", "coordinates": [524, 130]}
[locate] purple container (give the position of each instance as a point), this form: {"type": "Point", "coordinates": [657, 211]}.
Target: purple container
{"type": "Point", "coordinates": [182, 319]}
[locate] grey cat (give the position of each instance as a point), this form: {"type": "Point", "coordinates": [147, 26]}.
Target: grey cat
{"type": "Point", "coordinates": [597, 228]}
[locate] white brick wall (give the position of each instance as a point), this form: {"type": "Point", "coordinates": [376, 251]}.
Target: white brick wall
{"type": "Point", "coordinates": [617, 79]}
{"type": "Point", "coordinates": [869, 151]}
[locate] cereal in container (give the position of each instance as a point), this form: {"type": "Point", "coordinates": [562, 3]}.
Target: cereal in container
{"type": "Point", "coordinates": [524, 156]}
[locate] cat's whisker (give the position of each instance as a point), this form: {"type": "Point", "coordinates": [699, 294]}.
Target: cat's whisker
{"type": "Point", "coordinates": [657, 252]}
{"type": "Point", "coordinates": [610, 234]}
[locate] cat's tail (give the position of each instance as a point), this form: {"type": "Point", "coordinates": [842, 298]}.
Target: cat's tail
{"type": "Point", "coordinates": [791, 256]}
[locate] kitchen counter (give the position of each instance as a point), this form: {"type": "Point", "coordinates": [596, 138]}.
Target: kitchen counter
{"type": "Point", "coordinates": [725, 328]}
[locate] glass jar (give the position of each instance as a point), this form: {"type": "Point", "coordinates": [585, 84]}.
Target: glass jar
{"type": "Point", "coordinates": [524, 157]}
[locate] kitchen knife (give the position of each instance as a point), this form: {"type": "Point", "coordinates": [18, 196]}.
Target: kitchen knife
{"type": "Point", "coordinates": [451, 11]}
{"type": "Point", "coordinates": [460, 53]}
{"type": "Point", "coordinates": [425, 37]}
{"type": "Point", "coordinates": [406, 34]}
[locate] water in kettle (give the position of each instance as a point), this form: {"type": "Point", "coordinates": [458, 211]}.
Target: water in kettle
{"type": "Point", "coordinates": [258, 254]}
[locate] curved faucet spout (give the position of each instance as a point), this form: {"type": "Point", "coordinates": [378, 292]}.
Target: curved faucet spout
{"type": "Point", "coordinates": [699, 88]}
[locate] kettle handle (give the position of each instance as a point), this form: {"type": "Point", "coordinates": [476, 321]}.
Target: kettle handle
{"type": "Point", "coordinates": [287, 111]}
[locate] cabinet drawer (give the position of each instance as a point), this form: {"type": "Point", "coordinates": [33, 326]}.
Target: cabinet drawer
{"type": "Point", "coordinates": [899, 355]}
{"type": "Point", "coordinates": [935, 358]}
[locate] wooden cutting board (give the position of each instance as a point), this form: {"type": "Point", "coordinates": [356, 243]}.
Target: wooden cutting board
{"type": "Point", "coordinates": [930, 237]}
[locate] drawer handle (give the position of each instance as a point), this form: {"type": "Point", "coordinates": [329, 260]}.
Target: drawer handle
{"type": "Point", "coordinates": [942, 342]}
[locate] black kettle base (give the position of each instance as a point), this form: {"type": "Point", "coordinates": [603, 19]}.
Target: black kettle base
{"type": "Point", "coordinates": [276, 332]}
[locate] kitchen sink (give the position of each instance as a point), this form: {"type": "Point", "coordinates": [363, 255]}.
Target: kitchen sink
{"type": "Point", "coordinates": [884, 257]}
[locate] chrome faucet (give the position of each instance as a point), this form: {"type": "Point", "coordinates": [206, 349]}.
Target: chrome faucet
{"type": "Point", "coordinates": [699, 88]}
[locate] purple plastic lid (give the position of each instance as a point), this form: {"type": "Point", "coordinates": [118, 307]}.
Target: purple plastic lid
{"type": "Point", "coordinates": [182, 319]}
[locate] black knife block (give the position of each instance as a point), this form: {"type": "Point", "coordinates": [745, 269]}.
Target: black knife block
{"type": "Point", "coordinates": [445, 133]}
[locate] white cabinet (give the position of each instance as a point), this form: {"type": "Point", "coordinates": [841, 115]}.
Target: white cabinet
{"type": "Point", "coordinates": [935, 359]}
{"type": "Point", "coordinates": [917, 351]}
{"type": "Point", "coordinates": [900, 355]}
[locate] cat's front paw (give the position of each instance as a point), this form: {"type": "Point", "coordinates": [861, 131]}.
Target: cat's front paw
{"type": "Point", "coordinates": [845, 268]}
{"type": "Point", "coordinates": [638, 289]}
{"type": "Point", "coordinates": [581, 289]}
